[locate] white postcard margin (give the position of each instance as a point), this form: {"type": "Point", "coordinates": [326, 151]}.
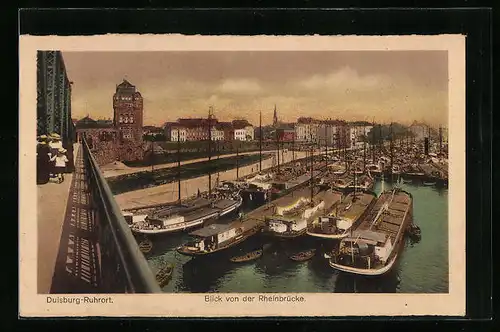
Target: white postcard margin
{"type": "Point", "coordinates": [32, 304]}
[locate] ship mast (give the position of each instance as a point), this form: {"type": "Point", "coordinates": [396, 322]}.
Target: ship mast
{"type": "Point", "coordinates": [260, 141]}
{"type": "Point", "coordinates": [278, 146]}
{"type": "Point", "coordinates": [326, 148]}
{"type": "Point", "coordinates": [380, 141]}
{"type": "Point", "coordinates": [152, 155]}
{"type": "Point", "coordinates": [364, 153]}
{"type": "Point", "coordinates": [237, 161]}
{"type": "Point", "coordinates": [345, 140]}
{"type": "Point", "coordinates": [407, 140]}
{"type": "Point", "coordinates": [391, 147]}
{"type": "Point", "coordinates": [179, 163]}
{"type": "Point", "coordinates": [210, 110]}
{"type": "Point", "coordinates": [217, 145]}
{"type": "Point", "coordinates": [373, 141]}
{"type": "Point", "coordinates": [354, 197]}
{"type": "Point", "coordinates": [312, 170]}
{"type": "Point", "coordinates": [440, 139]}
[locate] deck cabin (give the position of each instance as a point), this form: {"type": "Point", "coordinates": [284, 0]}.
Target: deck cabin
{"type": "Point", "coordinates": [293, 218]}
{"type": "Point", "coordinates": [344, 216]}
{"type": "Point", "coordinates": [365, 249]}
{"type": "Point", "coordinates": [213, 237]}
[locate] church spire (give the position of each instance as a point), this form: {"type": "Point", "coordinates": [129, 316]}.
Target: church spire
{"type": "Point", "coordinates": [275, 117]}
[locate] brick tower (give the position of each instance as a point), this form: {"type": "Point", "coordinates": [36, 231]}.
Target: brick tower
{"type": "Point", "coordinates": [128, 112]}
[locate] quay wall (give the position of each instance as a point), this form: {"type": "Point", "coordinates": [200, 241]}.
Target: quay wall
{"type": "Point", "coordinates": [169, 192]}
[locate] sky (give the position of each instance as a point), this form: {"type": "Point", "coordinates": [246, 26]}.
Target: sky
{"type": "Point", "coordinates": [380, 86]}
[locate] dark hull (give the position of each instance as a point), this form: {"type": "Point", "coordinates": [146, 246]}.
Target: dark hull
{"type": "Point", "coordinates": [286, 235]}
{"type": "Point", "coordinates": [184, 251]}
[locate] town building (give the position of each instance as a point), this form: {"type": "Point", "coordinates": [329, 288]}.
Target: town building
{"type": "Point", "coordinates": [306, 129]}
{"type": "Point", "coordinates": [240, 134]}
{"type": "Point", "coordinates": [176, 133]}
{"type": "Point", "coordinates": [243, 130]}
{"type": "Point", "coordinates": [358, 131]}
{"type": "Point", "coordinates": [419, 130]}
{"type": "Point", "coordinates": [285, 135]}
{"type": "Point", "coordinates": [197, 129]}
{"type": "Point", "coordinates": [228, 130]}
{"type": "Point", "coordinates": [217, 133]}
{"type": "Point", "coordinates": [120, 138]}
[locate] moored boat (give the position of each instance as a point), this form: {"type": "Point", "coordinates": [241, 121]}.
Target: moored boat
{"type": "Point", "coordinates": [218, 237]}
{"type": "Point", "coordinates": [374, 246]}
{"type": "Point", "coordinates": [346, 214]}
{"type": "Point", "coordinates": [303, 255]}
{"type": "Point", "coordinates": [291, 218]}
{"type": "Point", "coordinates": [363, 182]}
{"type": "Point", "coordinates": [247, 257]}
{"type": "Point", "coordinates": [164, 275]}
{"type": "Point", "coordinates": [183, 217]}
{"type": "Point", "coordinates": [145, 246]}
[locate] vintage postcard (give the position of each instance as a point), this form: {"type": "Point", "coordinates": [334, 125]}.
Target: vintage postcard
{"type": "Point", "coordinates": [232, 176]}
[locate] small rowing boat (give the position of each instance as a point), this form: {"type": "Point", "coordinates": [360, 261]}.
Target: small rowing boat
{"type": "Point", "coordinates": [429, 184]}
{"type": "Point", "coordinates": [145, 246]}
{"type": "Point", "coordinates": [247, 257]}
{"type": "Point", "coordinates": [164, 274]}
{"type": "Point", "coordinates": [303, 256]}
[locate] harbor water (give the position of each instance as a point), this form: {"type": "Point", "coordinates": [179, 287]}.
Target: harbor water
{"type": "Point", "coordinates": [422, 267]}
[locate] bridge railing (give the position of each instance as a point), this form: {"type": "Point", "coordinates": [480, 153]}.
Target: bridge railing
{"type": "Point", "coordinates": [123, 267]}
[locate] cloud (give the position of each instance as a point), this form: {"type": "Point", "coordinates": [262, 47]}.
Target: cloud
{"type": "Point", "coordinates": [239, 86]}
{"type": "Point", "coordinates": [344, 93]}
{"type": "Point", "coordinates": [345, 78]}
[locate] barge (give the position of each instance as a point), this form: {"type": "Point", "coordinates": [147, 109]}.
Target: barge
{"type": "Point", "coordinates": [347, 213]}
{"type": "Point", "coordinates": [218, 237]}
{"type": "Point", "coordinates": [183, 217]}
{"type": "Point", "coordinates": [374, 246]}
{"type": "Point", "coordinates": [291, 216]}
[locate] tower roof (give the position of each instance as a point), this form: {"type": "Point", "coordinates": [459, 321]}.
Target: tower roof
{"type": "Point", "coordinates": [126, 87]}
{"type": "Point", "coordinates": [125, 84]}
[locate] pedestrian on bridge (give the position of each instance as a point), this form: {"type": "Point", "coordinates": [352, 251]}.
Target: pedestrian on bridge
{"type": "Point", "coordinates": [43, 165]}
{"type": "Point", "coordinates": [60, 164]}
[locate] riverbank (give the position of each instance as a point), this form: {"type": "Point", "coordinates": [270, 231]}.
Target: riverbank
{"type": "Point", "coordinates": [169, 192]}
{"type": "Point", "coordinates": [151, 178]}
{"type": "Point", "coordinates": [118, 168]}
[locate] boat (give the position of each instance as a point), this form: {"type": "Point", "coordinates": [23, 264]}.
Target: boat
{"type": "Point", "coordinates": [303, 255]}
{"type": "Point", "coordinates": [283, 186]}
{"type": "Point", "coordinates": [363, 182]}
{"type": "Point", "coordinates": [191, 214]}
{"type": "Point", "coordinates": [164, 275]}
{"type": "Point", "coordinates": [247, 257]}
{"type": "Point", "coordinates": [414, 232]}
{"type": "Point", "coordinates": [183, 217]}
{"type": "Point", "coordinates": [345, 215]}
{"type": "Point", "coordinates": [374, 169]}
{"type": "Point", "coordinates": [291, 217]}
{"type": "Point", "coordinates": [145, 246]}
{"type": "Point", "coordinates": [217, 237]}
{"type": "Point", "coordinates": [406, 180]}
{"type": "Point", "coordinates": [374, 246]}
{"type": "Point", "coordinates": [429, 184]}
